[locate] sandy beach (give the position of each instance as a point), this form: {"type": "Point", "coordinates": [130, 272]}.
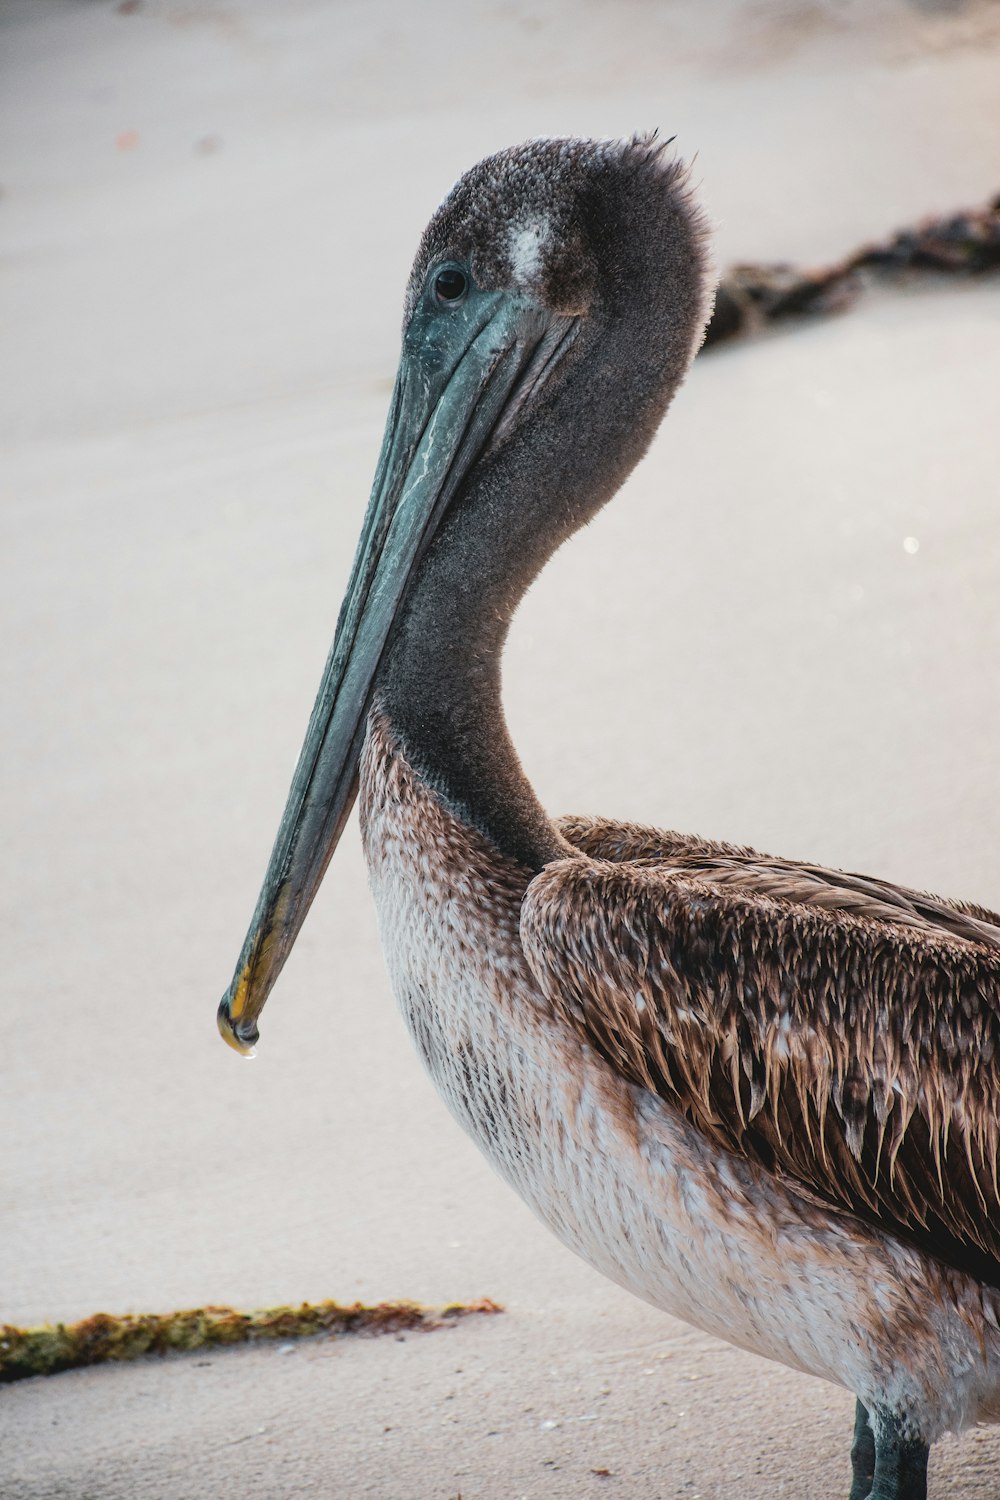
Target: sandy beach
{"type": "Point", "coordinates": [784, 632]}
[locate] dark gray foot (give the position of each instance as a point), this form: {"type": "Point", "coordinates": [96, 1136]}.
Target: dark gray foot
{"type": "Point", "coordinates": [888, 1464]}
{"type": "Point", "coordinates": [862, 1455]}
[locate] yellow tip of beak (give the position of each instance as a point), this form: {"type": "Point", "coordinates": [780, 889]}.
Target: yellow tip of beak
{"type": "Point", "coordinates": [229, 1033]}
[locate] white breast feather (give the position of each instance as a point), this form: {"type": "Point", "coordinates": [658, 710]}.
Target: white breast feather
{"type": "Point", "coordinates": [624, 1180]}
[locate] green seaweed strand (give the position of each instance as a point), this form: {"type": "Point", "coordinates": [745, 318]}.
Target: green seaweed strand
{"type": "Point", "coordinates": [100, 1339]}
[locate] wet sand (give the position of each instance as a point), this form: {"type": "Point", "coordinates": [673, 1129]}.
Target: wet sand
{"type": "Point", "coordinates": [208, 214]}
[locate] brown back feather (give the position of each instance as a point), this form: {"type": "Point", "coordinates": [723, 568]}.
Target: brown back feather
{"type": "Point", "coordinates": [839, 1031]}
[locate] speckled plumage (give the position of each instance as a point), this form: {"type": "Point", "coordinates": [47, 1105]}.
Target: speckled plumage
{"type": "Point", "coordinates": [625, 256]}
{"type": "Point", "coordinates": [625, 1175]}
{"type": "Point", "coordinates": [840, 1031]}
{"type": "Point", "coordinates": [555, 193]}
{"type": "Point", "coordinates": [810, 1058]}
{"type": "Point", "coordinates": [761, 1094]}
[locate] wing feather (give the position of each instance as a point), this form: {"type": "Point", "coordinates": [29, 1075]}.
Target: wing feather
{"type": "Point", "coordinates": [839, 1031]}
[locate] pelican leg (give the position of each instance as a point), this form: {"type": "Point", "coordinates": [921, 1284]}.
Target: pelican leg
{"type": "Point", "coordinates": [862, 1455]}
{"type": "Point", "coordinates": [900, 1460]}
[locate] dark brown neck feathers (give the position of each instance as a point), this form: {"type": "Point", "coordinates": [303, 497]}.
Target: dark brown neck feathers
{"type": "Point", "coordinates": [440, 683]}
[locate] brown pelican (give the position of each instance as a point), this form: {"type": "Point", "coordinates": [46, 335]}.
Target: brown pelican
{"type": "Point", "coordinates": [762, 1095]}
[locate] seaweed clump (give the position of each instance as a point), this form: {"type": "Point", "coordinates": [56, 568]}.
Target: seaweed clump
{"type": "Point", "coordinates": [751, 298]}
{"type": "Point", "coordinates": [104, 1338]}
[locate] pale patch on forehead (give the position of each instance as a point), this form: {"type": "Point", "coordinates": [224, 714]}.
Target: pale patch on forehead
{"type": "Point", "coordinates": [526, 246]}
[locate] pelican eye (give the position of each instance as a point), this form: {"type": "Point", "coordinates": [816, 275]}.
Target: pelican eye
{"type": "Point", "coordinates": [450, 284]}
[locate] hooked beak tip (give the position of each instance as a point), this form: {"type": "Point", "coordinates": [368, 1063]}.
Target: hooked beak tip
{"type": "Point", "coordinates": [241, 1041]}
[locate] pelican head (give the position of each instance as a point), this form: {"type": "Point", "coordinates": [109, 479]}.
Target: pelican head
{"type": "Point", "coordinates": [556, 300]}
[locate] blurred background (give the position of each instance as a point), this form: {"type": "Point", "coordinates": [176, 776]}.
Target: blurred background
{"type": "Point", "coordinates": [784, 632]}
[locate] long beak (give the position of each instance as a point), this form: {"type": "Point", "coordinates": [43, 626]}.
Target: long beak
{"type": "Point", "coordinates": [463, 371]}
